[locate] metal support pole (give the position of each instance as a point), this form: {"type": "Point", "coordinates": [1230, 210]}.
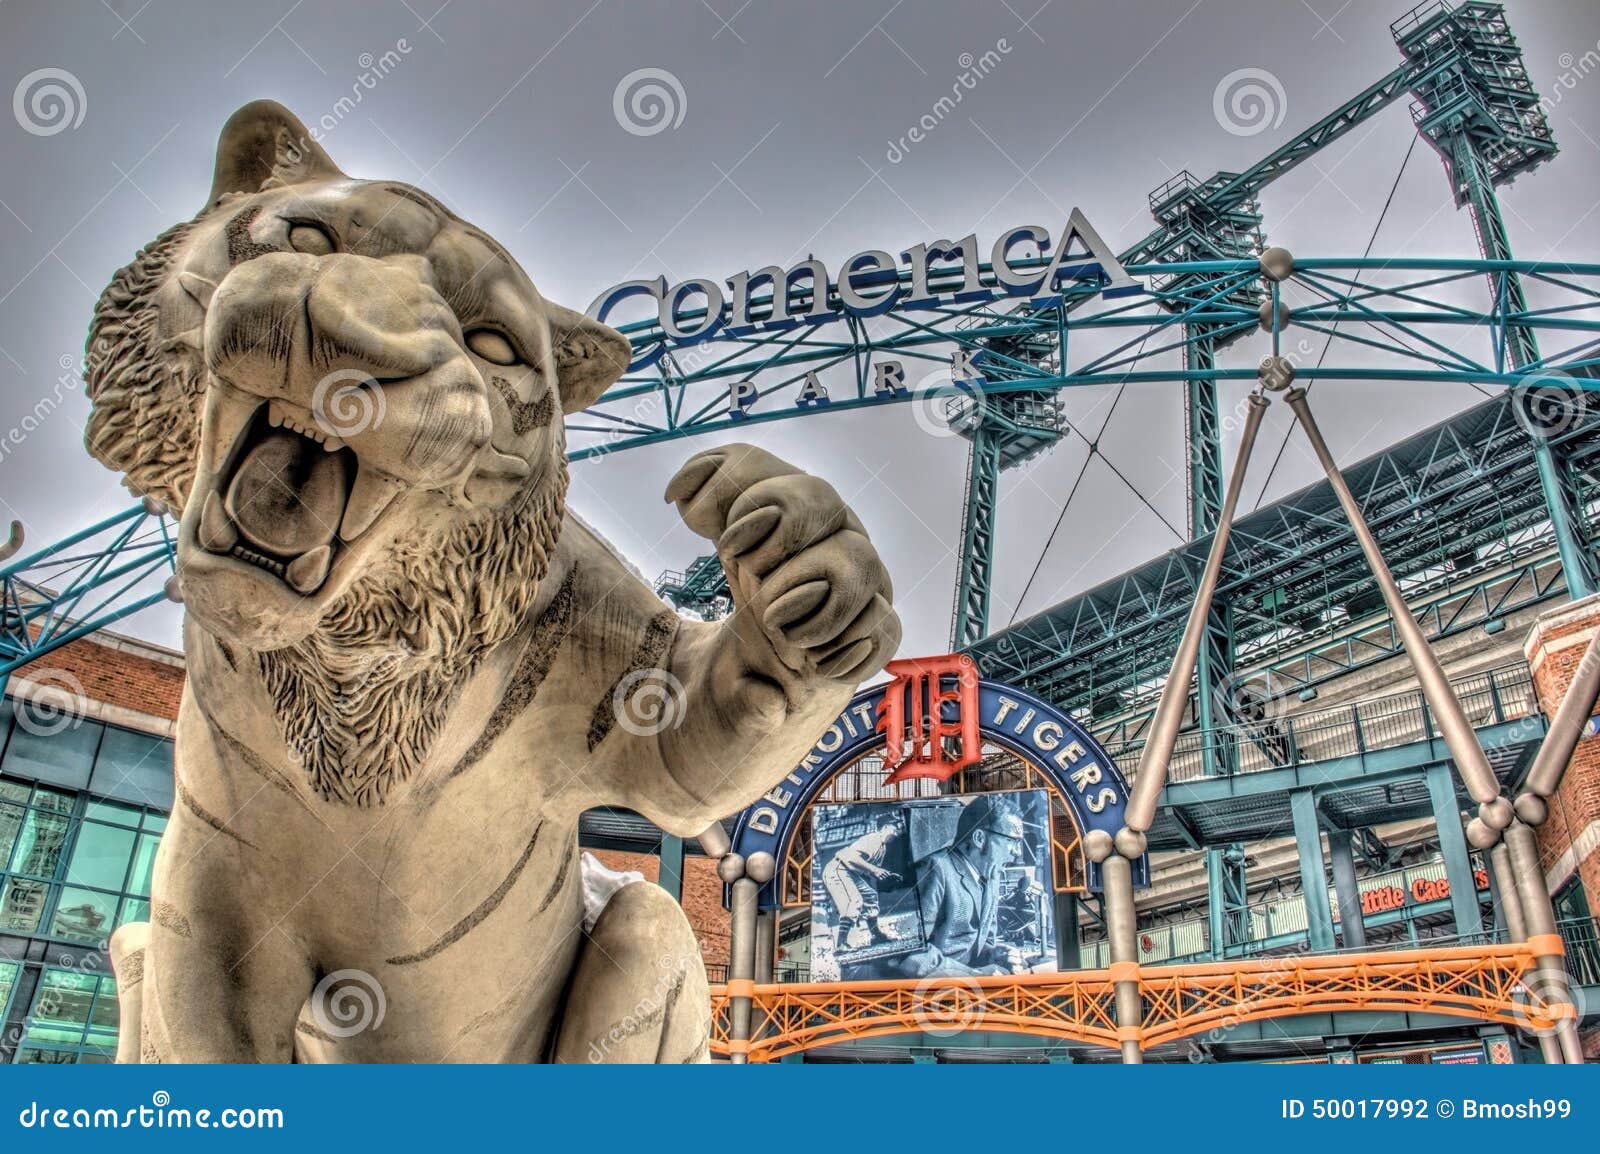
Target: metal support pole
{"type": "Point", "coordinates": [1116, 873]}
{"type": "Point", "coordinates": [1453, 847]}
{"type": "Point", "coordinates": [1313, 873]}
{"type": "Point", "coordinates": [1509, 904]}
{"type": "Point", "coordinates": [1458, 733]}
{"type": "Point", "coordinates": [1566, 728]}
{"type": "Point", "coordinates": [741, 967]}
{"type": "Point", "coordinates": [766, 947]}
{"type": "Point", "coordinates": [1352, 926]}
{"type": "Point", "coordinates": [669, 871]}
{"type": "Point", "coordinates": [1549, 952]}
{"type": "Point", "coordinates": [1163, 734]}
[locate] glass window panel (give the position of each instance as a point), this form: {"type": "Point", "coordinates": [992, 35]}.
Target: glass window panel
{"type": "Point", "coordinates": [134, 910]}
{"type": "Point", "coordinates": [84, 915]}
{"type": "Point", "coordinates": [21, 904]}
{"type": "Point", "coordinates": [63, 998]}
{"type": "Point", "coordinates": [104, 1014]}
{"type": "Point", "coordinates": [134, 767]}
{"type": "Point", "coordinates": [115, 814]}
{"type": "Point", "coordinates": [54, 1033]}
{"type": "Point", "coordinates": [10, 822]}
{"type": "Point", "coordinates": [61, 758]}
{"type": "Point", "coordinates": [98, 1058]}
{"type": "Point", "coordinates": [144, 861]}
{"type": "Point", "coordinates": [100, 856]}
{"type": "Point", "coordinates": [8, 982]}
{"type": "Point", "coordinates": [52, 799]}
{"type": "Point", "coordinates": [33, 1057]}
{"type": "Point", "coordinates": [39, 845]}
{"type": "Point", "coordinates": [155, 822]}
{"type": "Point", "coordinates": [14, 790]}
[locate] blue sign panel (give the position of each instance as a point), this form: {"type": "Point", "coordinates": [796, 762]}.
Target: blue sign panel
{"type": "Point", "coordinates": [1034, 730]}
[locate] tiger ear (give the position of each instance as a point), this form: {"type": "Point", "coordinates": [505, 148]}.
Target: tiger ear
{"type": "Point", "coordinates": [590, 356]}
{"type": "Point", "coordinates": [264, 145]}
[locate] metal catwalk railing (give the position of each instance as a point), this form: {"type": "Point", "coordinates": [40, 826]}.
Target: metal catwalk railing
{"type": "Point", "coordinates": [1266, 922]}
{"type": "Point", "coordinates": [1477, 983]}
{"type": "Point", "coordinates": [1282, 739]}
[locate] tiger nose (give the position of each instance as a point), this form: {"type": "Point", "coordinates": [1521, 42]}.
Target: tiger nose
{"type": "Point", "coordinates": [378, 314]}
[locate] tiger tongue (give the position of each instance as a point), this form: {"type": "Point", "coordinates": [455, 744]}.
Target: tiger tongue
{"type": "Point", "coordinates": [288, 494]}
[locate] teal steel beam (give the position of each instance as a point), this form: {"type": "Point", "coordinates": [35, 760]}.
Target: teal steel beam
{"type": "Point", "coordinates": [970, 619]}
{"type": "Point", "coordinates": [1521, 347]}
{"type": "Point", "coordinates": [1453, 848]}
{"type": "Point", "coordinates": [1313, 873]}
{"type": "Point", "coordinates": [1352, 923]}
{"type": "Point", "coordinates": [1227, 906]}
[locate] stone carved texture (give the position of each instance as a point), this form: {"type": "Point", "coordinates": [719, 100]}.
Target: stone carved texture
{"type": "Point", "coordinates": [411, 669]}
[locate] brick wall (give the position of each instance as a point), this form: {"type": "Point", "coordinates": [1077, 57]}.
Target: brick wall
{"type": "Point", "coordinates": [124, 682]}
{"type": "Point", "coordinates": [702, 897]}
{"type": "Point", "coordinates": [1568, 840]}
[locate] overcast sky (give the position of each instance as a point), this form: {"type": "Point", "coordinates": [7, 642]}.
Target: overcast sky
{"type": "Point", "coordinates": [788, 111]}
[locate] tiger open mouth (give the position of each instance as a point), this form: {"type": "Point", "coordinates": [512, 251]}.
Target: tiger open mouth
{"type": "Point", "coordinates": [288, 495]}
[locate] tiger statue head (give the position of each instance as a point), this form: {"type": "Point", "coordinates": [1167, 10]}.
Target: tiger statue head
{"type": "Point", "coordinates": [354, 399]}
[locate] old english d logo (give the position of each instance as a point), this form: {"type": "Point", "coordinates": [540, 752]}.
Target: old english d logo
{"type": "Point", "coordinates": [929, 718]}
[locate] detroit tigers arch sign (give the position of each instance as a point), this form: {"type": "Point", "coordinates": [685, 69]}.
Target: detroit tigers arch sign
{"type": "Point", "coordinates": [1079, 774]}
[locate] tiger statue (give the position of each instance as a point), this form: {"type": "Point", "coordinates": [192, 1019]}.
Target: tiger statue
{"type": "Point", "coordinates": [410, 668]}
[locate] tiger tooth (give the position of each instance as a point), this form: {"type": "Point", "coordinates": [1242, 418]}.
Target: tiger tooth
{"type": "Point", "coordinates": [217, 532]}
{"type": "Point", "coordinates": [275, 414]}
{"type": "Point", "coordinates": [332, 444]}
{"type": "Point", "coordinates": [228, 411]}
{"type": "Point", "coordinates": [369, 497]}
{"type": "Point", "coordinates": [307, 572]}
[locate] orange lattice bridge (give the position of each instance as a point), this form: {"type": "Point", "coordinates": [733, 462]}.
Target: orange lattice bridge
{"type": "Point", "coordinates": [1484, 983]}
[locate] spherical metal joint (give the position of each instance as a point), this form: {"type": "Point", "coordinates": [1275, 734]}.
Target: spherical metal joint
{"type": "Point", "coordinates": [761, 867]}
{"type": "Point", "coordinates": [1532, 809]}
{"type": "Point", "coordinates": [172, 590]}
{"type": "Point", "coordinates": [1276, 373]}
{"type": "Point", "coordinates": [1274, 318]}
{"type": "Point", "coordinates": [1097, 845]}
{"type": "Point", "coordinates": [730, 868]}
{"type": "Point", "coordinates": [1496, 813]}
{"type": "Point", "coordinates": [1480, 835]}
{"type": "Point", "coordinates": [1277, 264]}
{"type": "Point", "coordinates": [1130, 843]}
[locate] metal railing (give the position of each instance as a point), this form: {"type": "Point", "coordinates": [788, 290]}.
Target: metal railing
{"type": "Point", "coordinates": [1267, 923]}
{"type": "Point", "coordinates": [1279, 738]}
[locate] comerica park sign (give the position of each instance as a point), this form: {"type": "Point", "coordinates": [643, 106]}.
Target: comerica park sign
{"type": "Point", "coordinates": [1022, 262]}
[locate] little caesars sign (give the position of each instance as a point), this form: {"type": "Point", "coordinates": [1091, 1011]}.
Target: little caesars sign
{"type": "Point", "coordinates": [1022, 263]}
